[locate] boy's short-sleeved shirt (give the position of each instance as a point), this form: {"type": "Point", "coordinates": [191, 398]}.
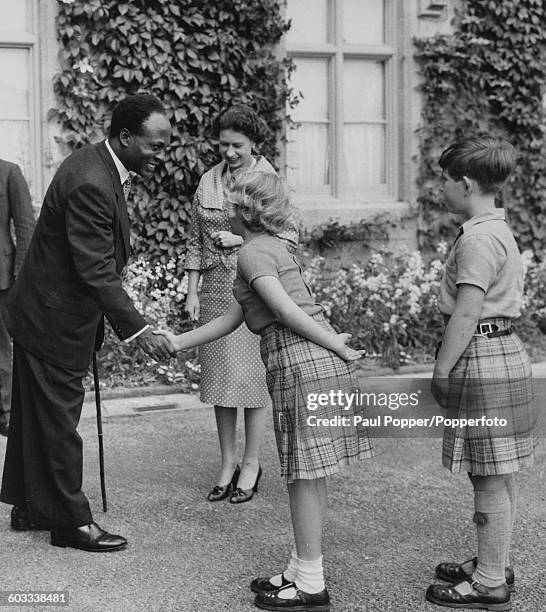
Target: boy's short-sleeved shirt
{"type": "Point", "coordinates": [486, 255]}
{"type": "Point", "coordinates": [265, 255]}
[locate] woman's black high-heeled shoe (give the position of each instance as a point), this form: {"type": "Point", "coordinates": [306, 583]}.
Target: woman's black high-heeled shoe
{"type": "Point", "coordinates": [219, 493]}
{"type": "Point", "coordinates": [239, 496]}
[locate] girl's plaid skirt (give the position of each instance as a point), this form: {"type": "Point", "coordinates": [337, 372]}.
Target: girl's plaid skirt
{"type": "Point", "coordinates": [493, 380]}
{"type": "Point", "coordinates": [297, 372]}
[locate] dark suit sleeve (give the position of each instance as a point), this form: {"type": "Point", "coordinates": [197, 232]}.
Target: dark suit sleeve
{"type": "Point", "coordinates": [20, 204]}
{"type": "Point", "coordinates": [89, 227]}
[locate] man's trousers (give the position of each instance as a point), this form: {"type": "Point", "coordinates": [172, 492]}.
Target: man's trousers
{"type": "Point", "coordinates": [44, 461]}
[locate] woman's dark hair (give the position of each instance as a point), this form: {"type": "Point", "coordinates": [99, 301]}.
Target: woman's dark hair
{"type": "Point", "coordinates": [243, 119]}
{"type": "Point", "coordinates": [132, 112]}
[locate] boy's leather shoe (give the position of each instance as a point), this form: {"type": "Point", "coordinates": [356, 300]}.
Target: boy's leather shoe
{"type": "Point", "coordinates": [301, 602]}
{"type": "Point", "coordinates": [454, 573]}
{"type": "Point", "coordinates": [263, 585]}
{"type": "Point", "coordinates": [20, 521]}
{"type": "Point", "coordinates": [88, 537]}
{"type": "Point", "coordinates": [481, 597]}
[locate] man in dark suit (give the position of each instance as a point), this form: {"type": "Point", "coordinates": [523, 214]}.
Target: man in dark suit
{"type": "Point", "coordinates": [16, 208]}
{"type": "Point", "coordinates": [69, 281]}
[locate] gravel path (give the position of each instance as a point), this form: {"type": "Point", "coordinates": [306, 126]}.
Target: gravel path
{"type": "Point", "coordinates": [391, 520]}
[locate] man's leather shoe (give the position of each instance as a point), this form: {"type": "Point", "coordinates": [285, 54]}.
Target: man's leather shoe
{"type": "Point", "coordinates": [88, 537]}
{"type": "Point", "coordinates": [454, 573]}
{"type": "Point", "coordinates": [301, 602]}
{"type": "Point", "coordinates": [4, 428]}
{"type": "Point", "coordinates": [481, 597]}
{"type": "Point", "coordinates": [21, 522]}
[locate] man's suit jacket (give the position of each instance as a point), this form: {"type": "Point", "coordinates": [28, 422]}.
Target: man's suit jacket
{"type": "Point", "coordinates": [16, 206]}
{"type": "Point", "coordinates": [71, 274]}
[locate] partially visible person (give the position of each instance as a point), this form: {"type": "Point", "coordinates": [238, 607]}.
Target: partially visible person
{"type": "Point", "coordinates": [304, 357]}
{"type": "Point", "coordinates": [69, 281]}
{"type": "Point", "coordinates": [16, 211]}
{"type": "Point", "coordinates": [483, 371]}
{"type": "Point", "coordinates": [232, 374]}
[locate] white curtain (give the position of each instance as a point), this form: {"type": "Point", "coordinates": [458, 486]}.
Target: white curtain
{"type": "Point", "coordinates": [363, 22]}
{"type": "Point", "coordinates": [364, 122]}
{"type": "Point", "coordinates": [308, 147]}
{"type": "Point", "coordinates": [309, 20]}
{"type": "Point", "coordinates": [15, 106]}
{"type": "Point", "coordinates": [308, 157]}
{"type": "Point", "coordinates": [364, 155]}
{"type": "Point", "coordinates": [15, 15]}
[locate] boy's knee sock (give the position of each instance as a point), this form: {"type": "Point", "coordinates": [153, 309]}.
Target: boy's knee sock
{"type": "Point", "coordinates": [511, 487]}
{"type": "Point", "coordinates": [493, 524]}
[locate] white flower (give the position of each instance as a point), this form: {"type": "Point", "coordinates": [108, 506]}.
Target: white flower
{"type": "Point", "coordinates": [527, 260]}
{"type": "Point", "coordinates": [83, 66]}
{"type": "Point", "coordinates": [442, 247]}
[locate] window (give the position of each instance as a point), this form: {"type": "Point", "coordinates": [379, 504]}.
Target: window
{"type": "Point", "coordinates": [345, 143]}
{"type": "Point", "coordinates": [19, 121]}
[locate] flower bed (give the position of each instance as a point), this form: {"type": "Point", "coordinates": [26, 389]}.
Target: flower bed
{"type": "Point", "coordinates": [158, 292]}
{"type": "Point", "coordinates": [388, 305]}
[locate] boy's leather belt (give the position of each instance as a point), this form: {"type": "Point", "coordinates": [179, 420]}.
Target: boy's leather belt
{"type": "Point", "coordinates": [490, 330]}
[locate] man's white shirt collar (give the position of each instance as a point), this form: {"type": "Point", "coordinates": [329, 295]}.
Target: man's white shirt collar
{"type": "Point", "coordinates": [123, 176]}
{"type": "Point", "coordinates": [122, 170]}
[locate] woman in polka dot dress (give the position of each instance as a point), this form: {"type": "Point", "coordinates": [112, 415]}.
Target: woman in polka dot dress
{"type": "Point", "coordinates": [232, 373]}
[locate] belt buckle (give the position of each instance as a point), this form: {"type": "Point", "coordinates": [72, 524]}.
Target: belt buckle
{"type": "Point", "coordinates": [484, 329]}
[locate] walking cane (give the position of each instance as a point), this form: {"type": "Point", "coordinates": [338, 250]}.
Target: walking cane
{"type": "Point", "coordinates": [99, 432]}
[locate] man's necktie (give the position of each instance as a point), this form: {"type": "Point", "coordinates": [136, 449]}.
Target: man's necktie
{"type": "Point", "coordinates": [127, 188]}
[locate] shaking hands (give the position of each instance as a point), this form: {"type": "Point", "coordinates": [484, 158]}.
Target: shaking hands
{"type": "Point", "coordinates": [156, 344]}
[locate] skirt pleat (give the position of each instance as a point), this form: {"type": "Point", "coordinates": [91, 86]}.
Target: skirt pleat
{"type": "Point", "coordinates": [297, 370]}
{"type": "Point", "coordinates": [491, 380]}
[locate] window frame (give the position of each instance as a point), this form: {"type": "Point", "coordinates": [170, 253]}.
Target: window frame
{"type": "Point", "coordinates": [29, 40]}
{"type": "Point", "coordinates": [335, 52]}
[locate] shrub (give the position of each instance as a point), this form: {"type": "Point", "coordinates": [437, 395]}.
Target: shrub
{"type": "Point", "coordinates": [390, 307]}
{"type": "Point", "coordinates": [158, 293]}
{"type": "Point", "coordinates": [198, 57]}
{"type": "Point", "coordinates": [487, 78]}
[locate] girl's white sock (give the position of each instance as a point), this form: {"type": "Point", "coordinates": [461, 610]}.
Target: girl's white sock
{"type": "Point", "coordinates": [310, 578]}
{"type": "Point", "coordinates": [290, 572]}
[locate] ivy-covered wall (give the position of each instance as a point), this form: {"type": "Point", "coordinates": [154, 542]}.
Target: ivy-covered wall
{"type": "Point", "coordinates": [488, 77]}
{"type": "Point", "coordinates": [198, 57]}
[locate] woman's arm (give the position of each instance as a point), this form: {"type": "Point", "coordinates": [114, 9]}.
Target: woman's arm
{"type": "Point", "coordinates": [194, 257]}
{"type": "Point", "coordinates": [462, 325]}
{"type": "Point", "coordinates": [291, 315]}
{"type": "Point", "coordinates": [217, 328]}
{"type": "Point", "coordinates": [193, 307]}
